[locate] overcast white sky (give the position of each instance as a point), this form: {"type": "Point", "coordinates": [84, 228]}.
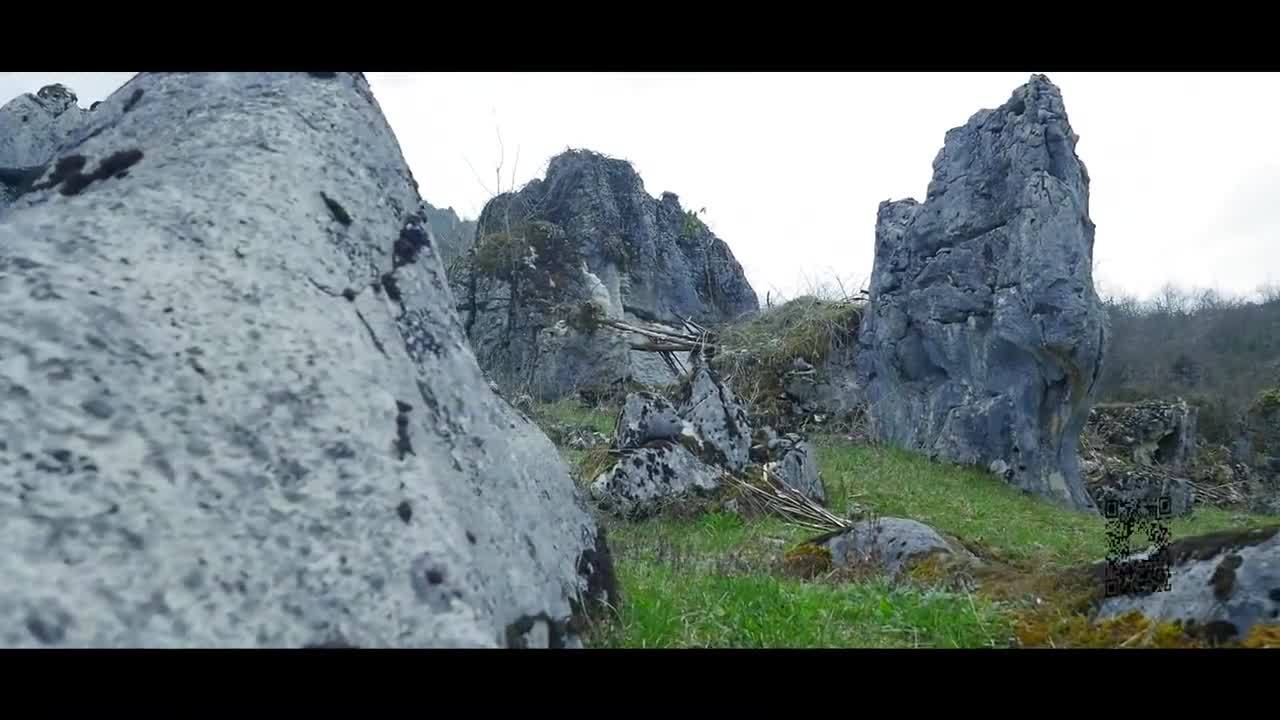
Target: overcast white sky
{"type": "Point", "coordinates": [790, 167]}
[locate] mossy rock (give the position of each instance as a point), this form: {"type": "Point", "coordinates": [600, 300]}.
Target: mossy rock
{"type": "Point", "coordinates": [535, 255]}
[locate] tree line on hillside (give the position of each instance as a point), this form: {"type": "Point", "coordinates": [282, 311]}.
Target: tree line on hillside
{"type": "Point", "coordinates": [1216, 352]}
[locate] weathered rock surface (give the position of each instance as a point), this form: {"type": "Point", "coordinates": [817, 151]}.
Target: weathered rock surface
{"type": "Point", "coordinates": [892, 544]}
{"type": "Point", "coordinates": [646, 480]}
{"type": "Point", "coordinates": [32, 127]}
{"type": "Point", "coordinates": [1220, 584]}
{"type": "Point", "coordinates": [794, 462]}
{"type": "Point", "coordinates": [710, 427]}
{"type": "Point", "coordinates": [589, 235]}
{"type": "Point", "coordinates": [1152, 432]}
{"type": "Point", "coordinates": [521, 297]}
{"type": "Point", "coordinates": [718, 418]}
{"type": "Point", "coordinates": [983, 337]}
{"type": "Point", "coordinates": [1142, 485]}
{"type": "Point", "coordinates": [238, 409]}
{"type": "Point", "coordinates": [645, 417]}
{"type": "Point", "coordinates": [1259, 445]}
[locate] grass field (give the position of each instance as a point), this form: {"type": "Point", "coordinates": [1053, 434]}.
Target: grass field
{"type": "Point", "coordinates": [718, 580]}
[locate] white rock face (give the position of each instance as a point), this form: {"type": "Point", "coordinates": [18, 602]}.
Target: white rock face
{"type": "Point", "coordinates": [236, 405]}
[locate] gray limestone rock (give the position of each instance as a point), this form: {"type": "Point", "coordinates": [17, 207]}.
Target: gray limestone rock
{"type": "Point", "coordinates": [718, 418]}
{"type": "Point", "coordinates": [1221, 584]}
{"type": "Point", "coordinates": [983, 337]}
{"type": "Point", "coordinates": [646, 480]}
{"type": "Point", "coordinates": [646, 417]}
{"type": "Point", "coordinates": [238, 409]}
{"type": "Point", "coordinates": [1152, 432]}
{"type": "Point", "coordinates": [32, 127]}
{"type": "Point", "coordinates": [1122, 484]}
{"type": "Point", "coordinates": [795, 463]}
{"type": "Point", "coordinates": [589, 234]}
{"type": "Point", "coordinates": [892, 544]}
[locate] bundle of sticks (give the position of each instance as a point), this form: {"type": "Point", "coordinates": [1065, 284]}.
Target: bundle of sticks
{"type": "Point", "coordinates": [770, 494]}
{"type": "Point", "coordinates": [695, 339]}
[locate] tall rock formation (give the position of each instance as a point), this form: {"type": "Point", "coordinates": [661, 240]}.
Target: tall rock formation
{"type": "Point", "coordinates": [984, 337]}
{"type": "Point", "coordinates": [32, 127]}
{"type": "Point", "coordinates": [588, 234]}
{"type": "Point", "coordinates": [237, 406]}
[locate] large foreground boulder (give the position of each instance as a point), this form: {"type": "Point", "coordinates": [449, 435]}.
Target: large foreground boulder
{"type": "Point", "coordinates": [589, 234]}
{"type": "Point", "coordinates": [1220, 585]}
{"type": "Point", "coordinates": [238, 408]}
{"type": "Point", "coordinates": [984, 337]}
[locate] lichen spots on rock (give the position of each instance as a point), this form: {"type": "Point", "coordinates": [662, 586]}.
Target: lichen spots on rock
{"type": "Point", "coordinates": [402, 445]}
{"type": "Point", "coordinates": [405, 511]}
{"type": "Point", "coordinates": [68, 173]}
{"type": "Point", "coordinates": [1224, 576]}
{"type": "Point", "coordinates": [414, 237]}
{"type": "Point", "coordinates": [133, 100]}
{"type": "Point", "coordinates": [338, 212]}
{"type": "Point", "coordinates": [64, 168]}
{"type": "Point", "coordinates": [392, 287]}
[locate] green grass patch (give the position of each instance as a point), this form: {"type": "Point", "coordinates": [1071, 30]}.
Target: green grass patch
{"type": "Point", "coordinates": [720, 580]}
{"type": "Point", "coordinates": [571, 412]}
{"type": "Point", "coordinates": [982, 510]}
{"type": "Point", "coordinates": [713, 582]}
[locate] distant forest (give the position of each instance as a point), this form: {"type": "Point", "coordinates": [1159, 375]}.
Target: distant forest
{"type": "Point", "coordinates": [1215, 352]}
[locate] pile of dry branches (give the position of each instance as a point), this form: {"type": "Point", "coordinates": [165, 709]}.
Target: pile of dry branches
{"type": "Point", "coordinates": [770, 495]}
{"type": "Point", "coordinates": [695, 339]}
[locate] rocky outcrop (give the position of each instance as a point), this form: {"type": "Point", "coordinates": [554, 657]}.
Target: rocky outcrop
{"type": "Point", "coordinates": [1141, 453]}
{"type": "Point", "coordinates": [1152, 432]}
{"type": "Point", "coordinates": [32, 127]}
{"type": "Point", "coordinates": [670, 454]}
{"type": "Point", "coordinates": [983, 337]}
{"type": "Point", "coordinates": [890, 544]}
{"type": "Point", "coordinates": [588, 235]}
{"type": "Point", "coordinates": [718, 418]}
{"type": "Point", "coordinates": [646, 417]}
{"type": "Point", "coordinates": [238, 407]}
{"type": "Point", "coordinates": [1259, 445]}
{"type": "Point", "coordinates": [1219, 585]}
{"type": "Point", "coordinates": [825, 393]}
{"type": "Point", "coordinates": [792, 460]}
{"type": "Point", "coordinates": [1130, 485]}
{"type": "Point", "coordinates": [649, 479]}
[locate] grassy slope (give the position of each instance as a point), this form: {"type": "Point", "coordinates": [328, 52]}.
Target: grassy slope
{"type": "Point", "coordinates": [717, 580]}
